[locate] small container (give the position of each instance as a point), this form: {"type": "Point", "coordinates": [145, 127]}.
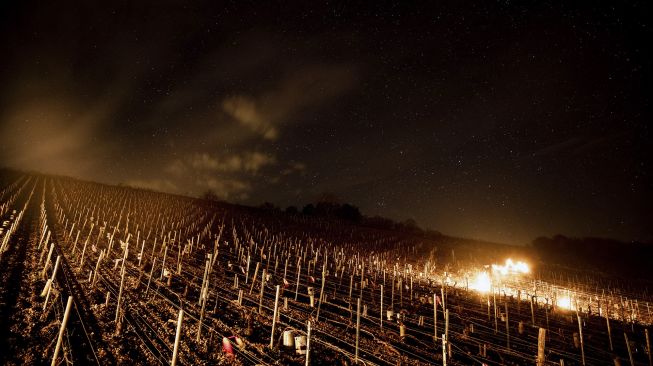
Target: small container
{"type": "Point", "coordinates": [300, 345]}
{"type": "Point", "coordinates": [389, 314]}
{"type": "Point", "coordinates": [288, 339]}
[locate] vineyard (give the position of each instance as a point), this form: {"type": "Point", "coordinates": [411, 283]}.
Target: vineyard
{"type": "Point", "coordinates": [98, 274]}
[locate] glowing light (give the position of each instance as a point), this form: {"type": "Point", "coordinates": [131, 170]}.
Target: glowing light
{"type": "Point", "coordinates": [564, 302]}
{"type": "Point", "coordinates": [481, 282]}
{"type": "Point", "coordinates": [511, 267]}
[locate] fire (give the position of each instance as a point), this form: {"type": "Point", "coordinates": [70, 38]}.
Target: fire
{"type": "Point", "coordinates": [511, 267]}
{"type": "Point", "coordinates": [564, 302]}
{"type": "Point", "coordinates": [481, 282]}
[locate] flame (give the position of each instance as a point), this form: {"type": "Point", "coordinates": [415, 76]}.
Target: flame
{"type": "Point", "coordinates": [511, 267]}
{"type": "Point", "coordinates": [564, 302]}
{"type": "Point", "coordinates": [481, 282]}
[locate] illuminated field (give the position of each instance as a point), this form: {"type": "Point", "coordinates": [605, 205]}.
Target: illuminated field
{"type": "Point", "coordinates": [134, 263]}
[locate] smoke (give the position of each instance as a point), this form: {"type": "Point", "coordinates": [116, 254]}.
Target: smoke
{"type": "Point", "coordinates": [52, 133]}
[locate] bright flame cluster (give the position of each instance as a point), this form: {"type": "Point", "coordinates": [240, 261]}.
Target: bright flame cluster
{"type": "Point", "coordinates": [481, 283]}
{"type": "Point", "coordinates": [511, 267]}
{"type": "Point", "coordinates": [564, 302]}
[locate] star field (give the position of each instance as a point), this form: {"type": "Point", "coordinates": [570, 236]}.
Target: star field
{"type": "Point", "coordinates": [498, 121]}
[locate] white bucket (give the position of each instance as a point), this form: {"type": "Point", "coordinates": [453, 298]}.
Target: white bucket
{"type": "Point", "coordinates": [288, 338]}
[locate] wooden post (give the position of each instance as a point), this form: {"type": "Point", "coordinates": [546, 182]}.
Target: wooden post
{"type": "Point", "coordinates": [358, 327]}
{"type": "Point", "coordinates": [308, 343]}
{"type": "Point", "coordinates": [81, 261]}
{"type": "Point", "coordinates": [392, 294]}
{"type": "Point", "coordinates": [411, 288]}
{"type": "Point", "coordinates": [274, 319]}
{"type": "Point", "coordinates": [247, 270]}
{"type": "Point", "coordinates": [362, 278]}
{"type": "Point", "coordinates": [177, 337]}
{"type": "Point", "coordinates": [76, 238]}
{"type": "Point", "coordinates": [435, 317]}
{"type": "Point", "coordinates": [607, 321]}
{"type": "Point", "coordinates": [54, 274]}
{"type": "Point", "coordinates": [532, 312]}
{"type": "Point", "coordinates": [299, 271]}
{"type": "Point", "coordinates": [496, 321]}
{"type": "Point", "coordinates": [203, 298]}
{"type": "Point", "coordinates": [254, 278]}
{"type": "Point", "coordinates": [61, 330]}
{"type": "Point", "coordinates": [47, 261]}
{"type": "Point", "coordinates": [541, 339]}
{"type": "Point", "coordinates": [150, 279]}
{"type": "Point", "coordinates": [580, 335]}
{"type": "Point", "coordinates": [507, 326]}
{"type": "Point", "coordinates": [444, 299]}
{"type": "Point", "coordinates": [122, 280]}
{"type": "Point", "coordinates": [446, 324]}
{"type": "Point", "coordinates": [648, 346]}
{"type": "Point", "coordinates": [444, 349]}
{"type": "Point", "coordinates": [381, 312]}
{"type": "Point", "coordinates": [97, 266]}
{"type": "Point", "coordinates": [401, 293]}
{"type": "Point", "coordinates": [351, 286]}
{"type": "Point", "coordinates": [260, 299]}
{"type": "Point", "coordinates": [163, 264]}
{"type": "Point", "coordinates": [317, 318]}
{"type": "Point", "coordinates": [630, 352]}
{"type": "Point", "coordinates": [546, 313]}
{"type": "Point", "coordinates": [140, 257]}
{"type": "Point", "coordinates": [285, 268]}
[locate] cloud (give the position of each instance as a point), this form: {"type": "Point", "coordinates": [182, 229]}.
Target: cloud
{"type": "Point", "coordinates": [295, 167]}
{"type": "Point", "coordinates": [177, 167]}
{"type": "Point", "coordinates": [225, 188]}
{"type": "Point", "coordinates": [246, 112]}
{"type": "Point", "coordinates": [246, 162]}
{"type": "Point", "coordinates": [56, 135]}
{"type": "Point", "coordinates": [309, 87]}
{"type": "Point", "coordinates": [231, 176]}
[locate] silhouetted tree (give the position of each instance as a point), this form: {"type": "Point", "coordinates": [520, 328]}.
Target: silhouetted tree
{"type": "Point", "coordinates": [309, 209]}
{"type": "Point", "coordinates": [349, 212]}
{"type": "Point", "coordinates": [270, 207]}
{"type": "Point", "coordinates": [292, 210]}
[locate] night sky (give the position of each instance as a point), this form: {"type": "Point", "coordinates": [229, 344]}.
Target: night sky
{"type": "Point", "coordinates": [501, 121]}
